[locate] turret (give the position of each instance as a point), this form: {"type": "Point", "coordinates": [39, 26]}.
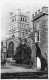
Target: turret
{"type": "Point", "coordinates": [40, 12]}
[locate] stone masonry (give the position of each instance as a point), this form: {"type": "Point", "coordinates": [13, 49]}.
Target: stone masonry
{"type": "Point", "coordinates": [40, 24]}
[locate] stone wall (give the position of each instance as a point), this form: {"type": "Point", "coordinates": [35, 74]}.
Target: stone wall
{"type": "Point", "coordinates": [42, 18]}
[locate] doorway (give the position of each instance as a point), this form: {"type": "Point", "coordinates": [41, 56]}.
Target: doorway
{"type": "Point", "coordinates": [38, 63]}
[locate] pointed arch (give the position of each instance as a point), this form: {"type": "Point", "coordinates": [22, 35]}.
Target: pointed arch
{"type": "Point", "coordinates": [11, 49]}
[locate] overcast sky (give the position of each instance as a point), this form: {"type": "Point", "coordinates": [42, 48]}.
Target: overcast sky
{"type": "Point", "coordinates": [12, 5]}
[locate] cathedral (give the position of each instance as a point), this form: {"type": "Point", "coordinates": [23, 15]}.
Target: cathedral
{"type": "Point", "coordinates": [19, 28]}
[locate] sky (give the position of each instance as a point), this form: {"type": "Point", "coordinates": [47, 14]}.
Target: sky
{"type": "Point", "coordinates": [12, 5]}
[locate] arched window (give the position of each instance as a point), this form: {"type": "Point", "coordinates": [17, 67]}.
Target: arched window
{"type": "Point", "coordinates": [1, 46]}
{"type": "Point", "coordinates": [13, 36]}
{"type": "Point", "coordinates": [15, 19]}
{"type": "Point", "coordinates": [11, 49]}
{"type": "Point", "coordinates": [21, 18]}
{"type": "Point", "coordinates": [25, 20]}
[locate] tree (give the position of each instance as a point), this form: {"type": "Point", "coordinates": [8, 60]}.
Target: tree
{"type": "Point", "coordinates": [23, 54]}
{"type": "Point", "coordinates": [17, 56]}
{"type": "Point", "coordinates": [43, 63]}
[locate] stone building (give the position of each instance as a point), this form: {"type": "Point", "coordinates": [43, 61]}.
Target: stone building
{"type": "Point", "coordinates": [40, 31]}
{"type": "Point", "coordinates": [19, 27]}
{"type": "Point", "coordinates": [19, 24]}
{"type": "Point", "coordinates": [3, 50]}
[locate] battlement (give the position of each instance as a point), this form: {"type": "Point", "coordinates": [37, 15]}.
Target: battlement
{"type": "Point", "coordinates": [40, 12]}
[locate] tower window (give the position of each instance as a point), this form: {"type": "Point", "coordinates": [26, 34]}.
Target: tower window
{"type": "Point", "coordinates": [15, 19]}
{"type": "Point", "coordinates": [37, 36]}
{"type": "Point", "coordinates": [12, 20]}
{"type": "Point", "coordinates": [21, 18]}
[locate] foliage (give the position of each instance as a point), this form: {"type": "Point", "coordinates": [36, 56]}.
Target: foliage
{"type": "Point", "coordinates": [44, 64]}
{"type": "Point", "coordinates": [23, 54]}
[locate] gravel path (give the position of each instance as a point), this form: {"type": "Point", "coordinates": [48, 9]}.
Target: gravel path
{"type": "Point", "coordinates": [10, 69]}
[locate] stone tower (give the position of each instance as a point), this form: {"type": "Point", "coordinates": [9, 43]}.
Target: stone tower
{"type": "Point", "coordinates": [19, 24]}
{"type": "Point", "coordinates": [13, 24]}
{"type": "Point", "coordinates": [18, 28]}
{"type": "Point", "coordinates": [40, 30]}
